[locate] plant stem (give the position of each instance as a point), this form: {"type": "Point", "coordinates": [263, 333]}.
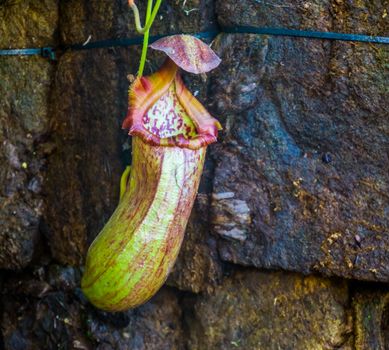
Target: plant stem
{"type": "Point", "coordinates": [150, 21]}
{"type": "Point", "coordinates": [145, 39]}
{"type": "Point", "coordinates": [151, 13]}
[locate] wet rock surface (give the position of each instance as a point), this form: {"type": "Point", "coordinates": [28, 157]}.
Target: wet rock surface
{"type": "Point", "coordinates": [371, 311]}
{"type": "Point", "coordinates": [305, 142]}
{"type": "Point", "coordinates": [297, 182]}
{"type": "Point", "coordinates": [87, 160]}
{"type": "Point", "coordinates": [40, 315]}
{"type": "Point", "coordinates": [24, 118]}
{"type": "Point", "coordinates": [231, 217]}
{"type": "Point", "coordinates": [257, 310]}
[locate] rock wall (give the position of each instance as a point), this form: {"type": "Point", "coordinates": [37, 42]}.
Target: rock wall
{"type": "Point", "coordinates": [24, 118]}
{"type": "Point", "coordinates": [307, 120]}
{"type": "Point", "coordinates": [298, 182]}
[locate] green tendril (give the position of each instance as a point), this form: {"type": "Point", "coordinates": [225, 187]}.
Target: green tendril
{"type": "Point", "coordinates": [151, 13]}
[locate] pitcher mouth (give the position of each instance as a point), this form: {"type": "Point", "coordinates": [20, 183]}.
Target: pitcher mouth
{"type": "Point", "coordinates": [163, 112]}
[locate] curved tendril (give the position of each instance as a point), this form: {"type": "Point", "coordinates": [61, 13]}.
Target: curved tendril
{"type": "Point", "coordinates": [150, 21]}
{"type": "Point", "coordinates": [151, 13]}
{"type": "Point", "coordinates": [138, 25]}
{"type": "Point", "coordinates": [145, 39]}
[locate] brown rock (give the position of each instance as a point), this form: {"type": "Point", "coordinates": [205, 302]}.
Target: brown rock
{"type": "Point", "coordinates": [305, 143]}
{"type": "Point", "coordinates": [84, 172]}
{"type": "Point", "coordinates": [299, 181]}
{"type": "Point", "coordinates": [258, 310]}
{"type": "Point", "coordinates": [24, 114]}
{"type": "Point", "coordinates": [371, 318]}
{"type": "Point", "coordinates": [28, 23]}
{"type": "Point", "coordinates": [39, 315]}
{"type": "Point", "coordinates": [231, 217]}
{"type": "Point", "coordinates": [155, 325]}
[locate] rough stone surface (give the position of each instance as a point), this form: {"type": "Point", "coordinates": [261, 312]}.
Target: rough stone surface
{"type": "Point", "coordinates": [371, 309]}
{"type": "Point", "coordinates": [231, 218]}
{"type": "Point", "coordinates": [84, 172]}
{"type": "Point", "coordinates": [28, 23]}
{"type": "Point", "coordinates": [39, 313]}
{"type": "Point", "coordinates": [155, 325]}
{"type": "Point", "coordinates": [298, 182]}
{"type": "Point", "coordinates": [361, 17]}
{"type": "Point", "coordinates": [306, 139]}
{"type": "Point", "coordinates": [24, 122]}
{"type": "Point", "coordinates": [256, 310]}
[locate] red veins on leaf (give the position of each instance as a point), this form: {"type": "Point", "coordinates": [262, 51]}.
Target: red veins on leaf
{"type": "Point", "coordinates": [162, 111]}
{"type": "Point", "coordinates": [188, 52]}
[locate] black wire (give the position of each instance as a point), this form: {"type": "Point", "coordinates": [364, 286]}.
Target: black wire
{"type": "Point", "coordinates": [50, 52]}
{"type": "Point", "coordinates": [307, 34]}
